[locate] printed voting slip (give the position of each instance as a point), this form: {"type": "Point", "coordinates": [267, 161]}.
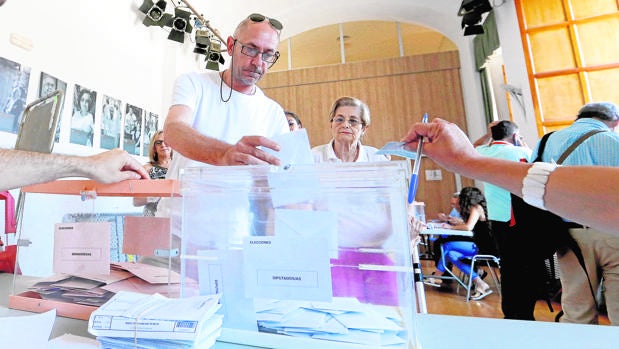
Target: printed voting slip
{"type": "Point", "coordinates": [146, 236]}
{"type": "Point", "coordinates": [397, 149]}
{"type": "Point", "coordinates": [136, 315]}
{"type": "Point", "coordinates": [295, 268]}
{"type": "Point", "coordinates": [82, 248]}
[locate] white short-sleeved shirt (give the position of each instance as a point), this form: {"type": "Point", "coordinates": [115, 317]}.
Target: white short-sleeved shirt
{"type": "Point", "coordinates": [242, 115]}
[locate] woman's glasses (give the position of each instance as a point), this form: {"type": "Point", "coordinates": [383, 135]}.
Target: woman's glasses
{"type": "Point", "coordinates": [256, 17]}
{"type": "Point", "coordinates": [352, 121]}
{"type": "Point", "coordinates": [158, 142]}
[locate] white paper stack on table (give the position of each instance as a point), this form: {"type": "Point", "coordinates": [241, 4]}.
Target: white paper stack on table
{"type": "Point", "coordinates": [344, 320]}
{"type": "Point", "coordinates": [136, 320]}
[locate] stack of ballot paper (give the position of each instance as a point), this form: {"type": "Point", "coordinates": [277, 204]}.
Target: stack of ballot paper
{"type": "Point", "coordinates": [135, 320]}
{"type": "Point", "coordinates": [343, 320]}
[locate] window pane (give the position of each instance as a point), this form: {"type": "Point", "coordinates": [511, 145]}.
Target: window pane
{"type": "Point", "coordinates": [594, 50]}
{"type": "Point", "coordinates": [310, 49]}
{"type": "Point", "coordinates": [603, 84]}
{"type": "Point", "coordinates": [553, 50]}
{"type": "Point", "coordinates": [362, 44]}
{"type": "Point", "coordinates": [560, 97]}
{"type": "Point", "coordinates": [588, 8]}
{"type": "Point", "coordinates": [539, 12]}
{"type": "Point", "coordinates": [418, 40]}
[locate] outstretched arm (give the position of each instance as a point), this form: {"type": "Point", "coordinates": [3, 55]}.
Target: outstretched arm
{"type": "Point", "coordinates": [586, 194]}
{"type": "Point", "coordinates": [20, 168]}
{"type": "Point", "coordinates": [186, 140]}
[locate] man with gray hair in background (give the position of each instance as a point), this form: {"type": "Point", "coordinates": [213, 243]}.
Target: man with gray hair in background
{"type": "Point", "coordinates": [600, 250]}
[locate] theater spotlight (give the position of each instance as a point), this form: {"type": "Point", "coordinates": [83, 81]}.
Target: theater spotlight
{"type": "Point", "coordinates": [479, 6]}
{"type": "Point", "coordinates": [214, 58]}
{"type": "Point", "coordinates": [203, 42]}
{"type": "Point", "coordinates": [155, 13]}
{"type": "Point", "coordinates": [471, 12]}
{"type": "Point", "coordinates": [473, 30]}
{"type": "Point", "coordinates": [180, 25]}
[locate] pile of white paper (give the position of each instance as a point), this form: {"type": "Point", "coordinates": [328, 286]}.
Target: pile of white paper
{"type": "Point", "coordinates": [343, 320]}
{"type": "Point", "coordinates": [136, 320]}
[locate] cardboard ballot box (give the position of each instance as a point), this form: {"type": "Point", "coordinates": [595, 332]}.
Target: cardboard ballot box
{"type": "Point", "coordinates": [79, 242]}
{"type": "Point", "coordinates": [308, 256]}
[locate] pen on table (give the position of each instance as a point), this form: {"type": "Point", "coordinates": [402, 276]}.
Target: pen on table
{"type": "Point", "coordinates": [412, 189]}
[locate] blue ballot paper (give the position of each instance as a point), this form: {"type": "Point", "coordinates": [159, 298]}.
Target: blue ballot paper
{"type": "Point", "coordinates": [397, 148]}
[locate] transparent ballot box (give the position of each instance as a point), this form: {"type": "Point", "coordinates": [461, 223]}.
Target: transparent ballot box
{"type": "Point", "coordinates": [310, 256]}
{"type": "Point", "coordinates": [79, 242]}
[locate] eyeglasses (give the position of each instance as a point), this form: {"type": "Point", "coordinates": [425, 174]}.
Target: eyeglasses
{"type": "Point", "coordinates": [269, 57]}
{"type": "Point", "coordinates": [256, 17]}
{"type": "Point", "coordinates": [352, 122]}
{"type": "Point", "coordinates": [159, 142]}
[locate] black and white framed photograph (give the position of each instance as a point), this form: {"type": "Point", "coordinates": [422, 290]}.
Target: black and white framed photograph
{"type": "Point", "coordinates": [47, 85]}
{"type": "Point", "coordinates": [151, 125]}
{"type": "Point", "coordinates": [83, 119]}
{"type": "Point", "coordinates": [110, 122]}
{"type": "Point", "coordinates": [14, 79]}
{"type": "Point", "coordinates": [133, 129]}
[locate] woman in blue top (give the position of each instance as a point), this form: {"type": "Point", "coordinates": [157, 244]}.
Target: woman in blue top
{"type": "Point", "coordinates": [475, 216]}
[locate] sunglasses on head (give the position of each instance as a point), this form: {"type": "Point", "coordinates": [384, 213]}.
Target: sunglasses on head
{"type": "Point", "coordinates": [256, 17]}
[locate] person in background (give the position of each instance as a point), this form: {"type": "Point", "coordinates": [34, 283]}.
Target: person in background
{"type": "Point", "coordinates": [474, 213]}
{"type": "Point", "coordinates": [454, 216]}
{"type": "Point", "coordinates": [293, 121]}
{"type": "Point", "coordinates": [519, 277]}
{"type": "Point", "coordinates": [600, 251]}
{"type": "Point", "coordinates": [160, 156]}
{"type": "Point", "coordinates": [350, 120]}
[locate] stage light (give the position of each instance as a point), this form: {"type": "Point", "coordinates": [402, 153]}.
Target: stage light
{"type": "Point", "coordinates": [473, 30]}
{"type": "Point", "coordinates": [180, 25]}
{"type": "Point", "coordinates": [214, 58]}
{"type": "Point", "coordinates": [155, 13]}
{"type": "Point", "coordinates": [203, 42]}
{"type": "Point", "coordinates": [185, 19]}
{"type": "Point", "coordinates": [479, 6]}
{"type": "Point", "coordinates": [471, 12]}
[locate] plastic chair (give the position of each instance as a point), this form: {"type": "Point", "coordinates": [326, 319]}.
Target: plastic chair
{"type": "Point", "coordinates": [488, 259]}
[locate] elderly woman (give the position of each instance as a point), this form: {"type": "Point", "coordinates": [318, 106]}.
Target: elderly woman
{"type": "Point", "coordinates": [360, 238]}
{"type": "Point", "coordinates": [350, 120]}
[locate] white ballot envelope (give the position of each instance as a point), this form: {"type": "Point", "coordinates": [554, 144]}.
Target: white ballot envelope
{"type": "Point", "coordinates": [294, 148]}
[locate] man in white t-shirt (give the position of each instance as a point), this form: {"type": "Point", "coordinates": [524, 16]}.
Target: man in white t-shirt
{"type": "Point", "coordinates": [222, 118]}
